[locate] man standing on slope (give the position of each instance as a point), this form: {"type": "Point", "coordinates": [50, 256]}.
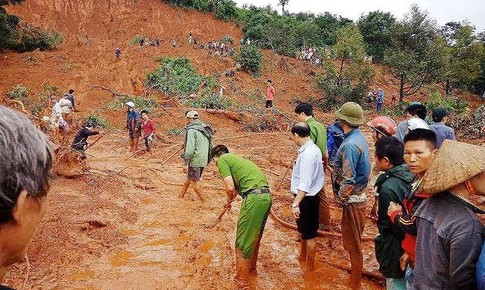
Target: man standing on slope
{"type": "Point", "coordinates": [197, 147]}
{"type": "Point", "coordinates": [307, 181]}
{"type": "Point", "coordinates": [318, 134]}
{"type": "Point", "coordinates": [243, 177]}
{"type": "Point", "coordinates": [269, 94]}
{"type": "Point", "coordinates": [349, 181]}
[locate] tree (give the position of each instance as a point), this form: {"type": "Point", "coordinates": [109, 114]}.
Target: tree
{"type": "Point", "coordinates": [417, 55]}
{"type": "Point", "coordinates": [283, 3]}
{"type": "Point", "coordinates": [464, 55]}
{"type": "Point", "coordinates": [250, 59]}
{"type": "Point", "coordinates": [375, 28]}
{"type": "Point", "coordinates": [347, 76]}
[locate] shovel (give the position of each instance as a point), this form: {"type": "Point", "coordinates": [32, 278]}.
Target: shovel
{"type": "Point", "coordinates": [218, 220]}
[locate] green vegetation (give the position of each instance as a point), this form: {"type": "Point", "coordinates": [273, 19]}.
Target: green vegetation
{"type": "Point", "coordinates": [417, 54]}
{"type": "Point", "coordinates": [348, 78]}
{"type": "Point", "coordinates": [174, 76]}
{"type": "Point", "coordinates": [210, 101]}
{"type": "Point", "coordinates": [98, 121]}
{"type": "Point", "coordinates": [19, 92]}
{"type": "Point", "coordinates": [450, 103]}
{"type": "Point", "coordinates": [14, 34]}
{"type": "Point", "coordinates": [141, 103]}
{"type": "Point", "coordinates": [176, 132]}
{"type": "Point", "coordinates": [251, 59]}
{"type": "Point", "coordinates": [375, 28]}
{"type": "Point", "coordinates": [32, 38]}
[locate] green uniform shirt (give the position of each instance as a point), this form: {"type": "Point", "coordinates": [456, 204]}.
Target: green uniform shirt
{"type": "Point", "coordinates": [318, 134]}
{"type": "Point", "coordinates": [246, 174]}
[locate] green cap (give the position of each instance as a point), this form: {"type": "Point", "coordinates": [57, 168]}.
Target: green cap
{"type": "Point", "coordinates": [351, 113]}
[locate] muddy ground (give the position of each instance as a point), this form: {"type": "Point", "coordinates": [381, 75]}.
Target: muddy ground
{"type": "Point", "coordinates": [122, 226]}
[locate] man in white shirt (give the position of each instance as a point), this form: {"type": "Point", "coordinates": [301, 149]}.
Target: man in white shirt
{"type": "Point", "coordinates": [306, 182]}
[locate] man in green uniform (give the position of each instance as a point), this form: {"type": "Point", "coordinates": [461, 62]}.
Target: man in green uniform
{"type": "Point", "coordinates": [243, 177]}
{"type": "Point", "coordinates": [318, 134]}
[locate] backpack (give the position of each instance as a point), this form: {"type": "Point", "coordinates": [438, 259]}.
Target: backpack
{"type": "Point", "coordinates": [335, 137]}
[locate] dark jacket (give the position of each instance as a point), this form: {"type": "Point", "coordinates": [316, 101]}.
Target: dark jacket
{"type": "Point", "coordinates": [391, 186]}
{"type": "Point", "coordinates": [80, 141]}
{"type": "Point", "coordinates": [448, 243]}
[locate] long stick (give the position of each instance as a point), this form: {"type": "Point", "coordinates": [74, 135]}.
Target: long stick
{"type": "Point", "coordinates": [169, 157]}
{"type": "Point", "coordinates": [286, 173]}
{"type": "Point", "coordinates": [90, 145]}
{"type": "Point", "coordinates": [219, 218]}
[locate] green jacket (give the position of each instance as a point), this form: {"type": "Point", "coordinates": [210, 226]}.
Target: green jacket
{"type": "Point", "coordinates": [318, 134]}
{"type": "Point", "coordinates": [392, 185]}
{"type": "Point", "coordinates": [197, 144]}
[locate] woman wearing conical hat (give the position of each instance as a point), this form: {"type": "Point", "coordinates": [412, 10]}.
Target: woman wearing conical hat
{"type": "Point", "coordinates": [450, 235]}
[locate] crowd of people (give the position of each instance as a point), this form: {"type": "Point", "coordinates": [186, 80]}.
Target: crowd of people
{"type": "Point", "coordinates": [429, 235]}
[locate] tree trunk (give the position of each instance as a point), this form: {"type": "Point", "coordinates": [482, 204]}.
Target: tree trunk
{"type": "Point", "coordinates": [401, 89]}
{"type": "Point", "coordinates": [340, 71]}
{"type": "Point", "coordinates": [447, 87]}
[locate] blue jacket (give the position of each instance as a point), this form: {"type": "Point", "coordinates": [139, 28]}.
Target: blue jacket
{"type": "Point", "coordinates": [352, 168]}
{"type": "Point", "coordinates": [335, 137]}
{"type": "Point", "coordinates": [442, 132]}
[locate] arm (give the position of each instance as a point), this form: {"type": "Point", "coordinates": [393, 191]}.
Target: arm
{"type": "Point", "coordinates": [347, 185]}
{"type": "Point", "coordinates": [464, 252]}
{"type": "Point", "coordinates": [406, 222]}
{"type": "Point", "coordinates": [295, 207]}
{"type": "Point", "coordinates": [230, 189]}
{"type": "Point", "coordinates": [91, 133]}
{"type": "Point", "coordinates": [190, 144]}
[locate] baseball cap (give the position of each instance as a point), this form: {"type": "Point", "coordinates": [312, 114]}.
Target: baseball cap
{"type": "Point", "coordinates": [192, 115]}
{"type": "Point", "coordinates": [130, 104]}
{"type": "Point", "coordinates": [439, 114]}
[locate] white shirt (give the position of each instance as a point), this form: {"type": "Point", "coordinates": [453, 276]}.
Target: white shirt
{"type": "Point", "coordinates": [307, 173]}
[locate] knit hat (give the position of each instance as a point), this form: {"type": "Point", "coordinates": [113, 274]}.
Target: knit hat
{"type": "Point", "coordinates": [455, 163]}
{"type": "Point", "coordinates": [351, 113]}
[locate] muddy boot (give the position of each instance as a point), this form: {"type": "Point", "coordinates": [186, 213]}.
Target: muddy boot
{"type": "Point", "coordinates": [311, 246]}
{"type": "Point", "coordinates": [254, 257]}
{"type": "Point", "coordinates": [198, 190]}
{"type": "Point", "coordinates": [185, 187]}
{"type": "Point", "coordinates": [356, 265]}
{"type": "Point", "coordinates": [135, 144]}
{"type": "Point", "coordinates": [242, 271]}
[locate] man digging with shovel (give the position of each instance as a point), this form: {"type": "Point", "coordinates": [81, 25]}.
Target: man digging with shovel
{"type": "Point", "coordinates": [243, 177]}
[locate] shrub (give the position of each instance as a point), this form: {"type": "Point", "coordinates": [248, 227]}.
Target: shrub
{"type": "Point", "coordinates": [19, 92]}
{"type": "Point", "coordinates": [97, 121]}
{"type": "Point", "coordinates": [136, 40]}
{"type": "Point", "coordinates": [227, 39]}
{"type": "Point", "coordinates": [251, 59]}
{"type": "Point", "coordinates": [32, 38]}
{"type": "Point", "coordinates": [211, 101]}
{"type": "Point", "coordinates": [225, 10]}
{"type": "Point", "coordinates": [176, 132]}
{"type": "Point", "coordinates": [174, 76]}
{"type": "Point", "coordinates": [450, 103]}
{"type": "Point", "coordinates": [140, 102]}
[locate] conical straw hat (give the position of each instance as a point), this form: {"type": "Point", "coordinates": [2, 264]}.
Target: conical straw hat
{"type": "Point", "coordinates": [455, 163]}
